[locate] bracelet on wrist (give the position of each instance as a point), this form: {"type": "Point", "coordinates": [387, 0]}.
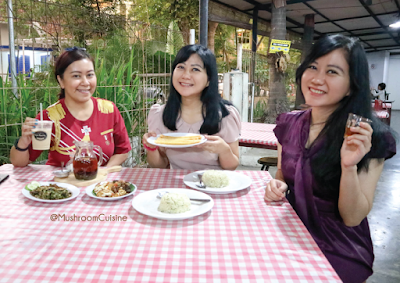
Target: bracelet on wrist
{"type": "Point", "coordinates": [18, 148]}
{"type": "Point", "coordinates": [149, 148]}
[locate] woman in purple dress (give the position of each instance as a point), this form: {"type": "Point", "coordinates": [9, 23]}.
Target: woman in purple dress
{"type": "Point", "coordinates": [330, 181]}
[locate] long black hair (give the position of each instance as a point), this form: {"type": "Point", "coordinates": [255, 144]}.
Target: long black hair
{"type": "Point", "coordinates": [213, 105]}
{"type": "Point", "coordinates": [68, 57]}
{"type": "Point", "coordinates": [326, 164]}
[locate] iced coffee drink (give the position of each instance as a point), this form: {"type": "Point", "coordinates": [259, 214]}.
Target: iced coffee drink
{"type": "Point", "coordinates": [41, 136]}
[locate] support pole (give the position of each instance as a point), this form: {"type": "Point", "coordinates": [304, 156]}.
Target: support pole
{"type": "Point", "coordinates": [254, 45]}
{"type": "Point", "coordinates": [308, 35]}
{"type": "Point", "coordinates": [203, 22]}
{"type": "Point", "coordinates": [307, 42]}
{"type": "Point", "coordinates": [13, 67]}
{"type": "Point", "coordinates": [239, 56]}
{"type": "Point", "coordinates": [192, 36]}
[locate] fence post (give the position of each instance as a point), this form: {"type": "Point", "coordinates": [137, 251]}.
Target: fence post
{"type": "Point", "coordinates": [13, 67]}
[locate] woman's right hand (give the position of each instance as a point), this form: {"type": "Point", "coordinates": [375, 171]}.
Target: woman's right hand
{"type": "Point", "coordinates": [146, 137]}
{"type": "Point", "coordinates": [26, 136]}
{"type": "Point", "coordinates": [275, 190]}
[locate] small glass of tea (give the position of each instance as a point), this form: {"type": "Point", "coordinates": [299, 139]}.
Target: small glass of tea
{"type": "Point", "coordinates": [354, 121]}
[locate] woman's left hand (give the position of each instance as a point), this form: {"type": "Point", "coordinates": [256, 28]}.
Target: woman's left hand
{"type": "Point", "coordinates": [356, 146]}
{"type": "Point", "coordinates": [214, 144]}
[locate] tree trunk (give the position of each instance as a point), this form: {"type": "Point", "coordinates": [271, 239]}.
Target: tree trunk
{"type": "Point", "coordinates": [277, 102]}
{"type": "Point", "coordinates": [212, 27]}
{"type": "Point", "coordinates": [185, 29]}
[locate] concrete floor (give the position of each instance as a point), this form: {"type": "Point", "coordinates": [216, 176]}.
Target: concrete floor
{"type": "Point", "coordinates": [384, 217]}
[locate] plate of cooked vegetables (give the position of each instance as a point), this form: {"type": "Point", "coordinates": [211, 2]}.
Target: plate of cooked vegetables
{"type": "Point", "coordinates": [50, 191]}
{"type": "Point", "coordinates": [113, 190]}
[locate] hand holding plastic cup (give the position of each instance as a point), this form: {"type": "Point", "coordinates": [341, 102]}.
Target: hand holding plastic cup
{"type": "Point", "coordinates": [42, 135]}
{"type": "Point", "coordinates": [354, 121]}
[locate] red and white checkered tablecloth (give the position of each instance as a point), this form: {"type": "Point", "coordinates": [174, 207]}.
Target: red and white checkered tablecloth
{"type": "Point", "coordinates": [258, 135]}
{"type": "Point", "coordinates": [243, 238]}
{"type": "Point", "coordinates": [259, 127]}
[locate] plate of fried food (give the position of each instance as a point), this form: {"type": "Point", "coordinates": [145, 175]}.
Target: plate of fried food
{"type": "Point", "coordinates": [177, 140]}
{"type": "Point", "coordinates": [113, 190]}
{"type": "Point", "coordinates": [50, 191]}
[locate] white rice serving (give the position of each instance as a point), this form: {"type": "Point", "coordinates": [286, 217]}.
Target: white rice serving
{"type": "Point", "coordinates": [174, 203]}
{"type": "Point", "coordinates": [215, 179]}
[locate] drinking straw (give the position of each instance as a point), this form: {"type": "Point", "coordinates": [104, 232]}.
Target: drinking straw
{"type": "Point", "coordinates": [41, 114]}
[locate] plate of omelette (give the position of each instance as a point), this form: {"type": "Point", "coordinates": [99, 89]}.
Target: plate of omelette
{"type": "Point", "coordinates": [177, 140]}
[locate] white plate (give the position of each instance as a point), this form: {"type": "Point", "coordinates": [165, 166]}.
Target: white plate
{"type": "Point", "coordinates": [74, 190]}
{"type": "Point", "coordinates": [89, 192]}
{"type": "Point", "coordinates": [237, 182]}
{"type": "Point", "coordinates": [147, 203]}
{"type": "Point", "coordinates": [152, 140]}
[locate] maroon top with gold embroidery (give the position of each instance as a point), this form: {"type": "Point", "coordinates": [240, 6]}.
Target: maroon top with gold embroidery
{"type": "Point", "coordinates": [105, 128]}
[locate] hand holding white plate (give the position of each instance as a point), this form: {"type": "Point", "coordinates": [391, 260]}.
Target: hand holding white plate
{"type": "Point", "coordinates": [152, 140]}
{"type": "Point", "coordinates": [74, 192]}
{"type": "Point", "coordinates": [147, 203]}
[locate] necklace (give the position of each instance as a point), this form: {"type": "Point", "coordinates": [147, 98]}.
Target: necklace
{"type": "Point", "coordinates": [313, 124]}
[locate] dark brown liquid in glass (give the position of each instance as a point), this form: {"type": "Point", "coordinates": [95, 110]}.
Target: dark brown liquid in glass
{"type": "Point", "coordinates": [85, 168]}
{"type": "Point", "coordinates": [347, 132]}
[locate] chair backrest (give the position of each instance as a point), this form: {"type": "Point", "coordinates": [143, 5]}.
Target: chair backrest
{"type": "Point", "coordinates": [386, 95]}
{"type": "Point", "coordinates": [378, 105]}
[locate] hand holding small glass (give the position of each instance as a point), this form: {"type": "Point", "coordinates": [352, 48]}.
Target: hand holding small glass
{"type": "Point", "coordinates": [357, 143]}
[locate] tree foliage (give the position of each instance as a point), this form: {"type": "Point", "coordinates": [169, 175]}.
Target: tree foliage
{"type": "Point", "coordinates": [225, 47]}
{"type": "Point", "coordinates": [76, 20]}
{"type": "Point", "coordinates": [185, 13]}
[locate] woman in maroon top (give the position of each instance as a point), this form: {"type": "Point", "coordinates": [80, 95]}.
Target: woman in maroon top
{"type": "Point", "coordinates": [76, 116]}
{"type": "Point", "coordinates": [330, 181]}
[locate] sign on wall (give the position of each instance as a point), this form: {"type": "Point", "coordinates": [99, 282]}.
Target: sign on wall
{"type": "Point", "coordinates": [278, 45]}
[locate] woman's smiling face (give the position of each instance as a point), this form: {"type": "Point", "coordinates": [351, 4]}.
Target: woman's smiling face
{"type": "Point", "coordinates": [190, 77]}
{"type": "Point", "coordinates": [79, 80]}
{"type": "Point", "coordinates": [326, 81]}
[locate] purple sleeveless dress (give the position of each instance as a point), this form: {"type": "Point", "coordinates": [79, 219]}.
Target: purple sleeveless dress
{"type": "Point", "coordinates": [348, 249]}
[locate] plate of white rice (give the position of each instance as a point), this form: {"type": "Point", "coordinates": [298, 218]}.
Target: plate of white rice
{"type": "Point", "coordinates": [218, 181]}
{"type": "Point", "coordinates": [148, 204]}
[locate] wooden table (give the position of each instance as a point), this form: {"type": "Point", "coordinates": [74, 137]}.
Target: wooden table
{"type": "Point", "coordinates": [258, 135]}
{"type": "Point", "coordinates": [242, 239]}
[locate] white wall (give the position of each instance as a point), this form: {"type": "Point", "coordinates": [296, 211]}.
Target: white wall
{"type": "Point", "coordinates": [376, 64]}
{"type": "Point", "coordinates": [393, 84]}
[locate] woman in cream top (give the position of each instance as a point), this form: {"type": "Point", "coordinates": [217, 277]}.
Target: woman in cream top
{"type": "Point", "coordinates": [194, 158]}
{"type": "Point", "coordinates": [195, 106]}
